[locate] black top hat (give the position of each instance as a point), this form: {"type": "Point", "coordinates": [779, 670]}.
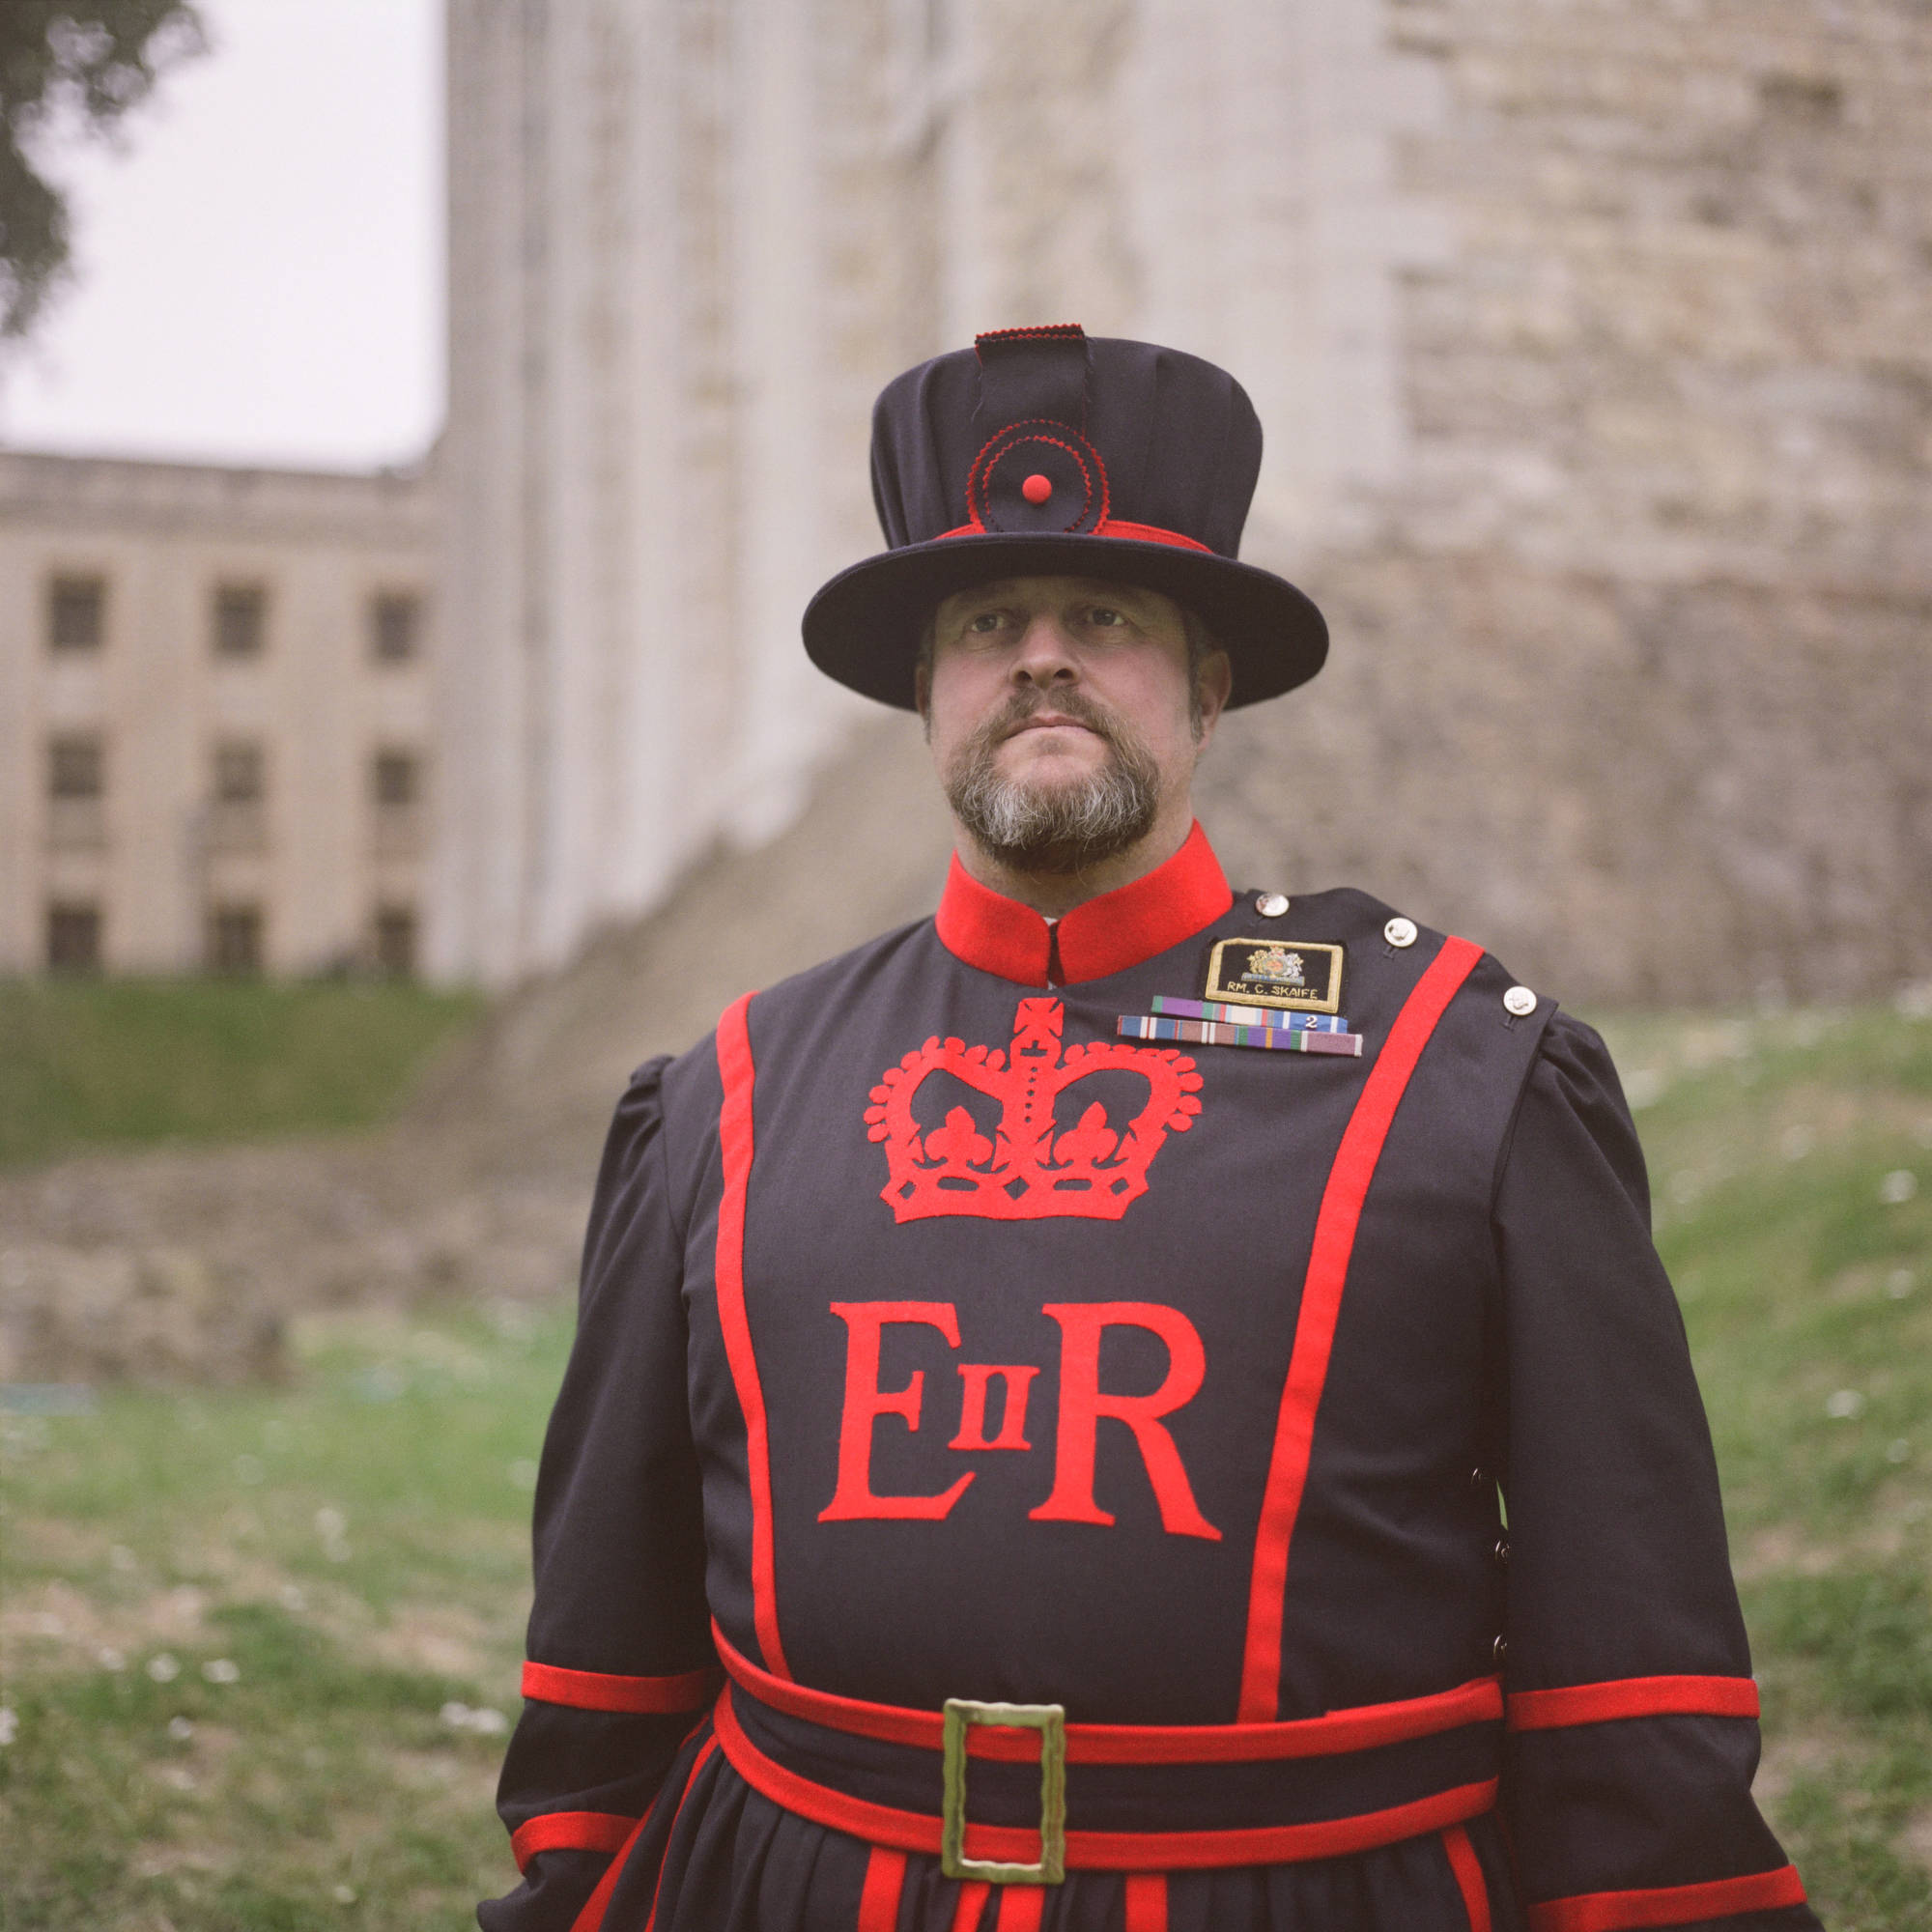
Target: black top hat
{"type": "Point", "coordinates": [1047, 452]}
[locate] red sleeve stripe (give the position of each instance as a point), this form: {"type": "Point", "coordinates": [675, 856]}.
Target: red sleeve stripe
{"type": "Point", "coordinates": [1633, 1697]}
{"type": "Point", "coordinates": [1670, 1904]}
{"type": "Point", "coordinates": [569, 1831]}
{"type": "Point", "coordinates": [597, 1691]}
{"type": "Point", "coordinates": [1335, 1225]}
{"type": "Point", "coordinates": [736, 1069]}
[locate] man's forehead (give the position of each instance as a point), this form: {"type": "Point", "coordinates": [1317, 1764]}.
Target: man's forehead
{"type": "Point", "coordinates": [1051, 590]}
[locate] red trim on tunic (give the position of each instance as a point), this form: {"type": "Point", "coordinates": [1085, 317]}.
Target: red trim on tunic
{"type": "Point", "coordinates": [591, 1918]}
{"type": "Point", "coordinates": [1633, 1697]}
{"type": "Point", "coordinates": [570, 1832]}
{"type": "Point", "coordinates": [880, 1900]}
{"type": "Point", "coordinates": [1096, 1851]}
{"type": "Point", "coordinates": [735, 1144]}
{"type": "Point", "coordinates": [1105, 935]}
{"type": "Point", "coordinates": [1468, 1873]}
{"type": "Point", "coordinates": [598, 1691]}
{"type": "Point", "coordinates": [1147, 1902]}
{"type": "Point", "coordinates": [1022, 1908]}
{"type": "Point", "coordinates": [1329, 1258]}
{"type": "Point", "coordinates": [970, 1905]}
{"type": "Point", "coordinates": [1107, 526]}
{"type": "Point", "coordinates": [1362, 1728]}
{"type": "Point", "coordinates": [1670, 1904]}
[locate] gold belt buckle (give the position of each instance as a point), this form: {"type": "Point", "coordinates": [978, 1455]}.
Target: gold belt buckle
{"type": "Point", "coordinates": [1050, 1721]}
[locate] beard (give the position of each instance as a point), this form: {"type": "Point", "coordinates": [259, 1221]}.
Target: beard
{"type": "Point", "coordinates": [1039, 825]}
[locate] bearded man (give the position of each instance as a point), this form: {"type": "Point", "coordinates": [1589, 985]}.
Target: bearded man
{"type": "Point", "coordinates": [1061, 1368]}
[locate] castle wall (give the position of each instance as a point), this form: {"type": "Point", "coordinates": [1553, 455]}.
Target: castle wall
{"type": "Point", "coordinates": [1589, 339]}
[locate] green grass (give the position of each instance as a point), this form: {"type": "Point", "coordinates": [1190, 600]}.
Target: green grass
{"type": "Point", "coordinates": [105, 1062]}
{"type": "Point", "coordinates": [355, 1546]}
{"type": "Point", "coordinates": [238, 1627]}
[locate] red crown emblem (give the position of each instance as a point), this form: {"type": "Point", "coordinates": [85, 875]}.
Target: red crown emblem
{"type": "Point", "coordinates": [1031, 1168]}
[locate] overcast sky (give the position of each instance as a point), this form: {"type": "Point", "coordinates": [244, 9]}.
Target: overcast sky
{"type": "Point", "coordinates": [259, 275]}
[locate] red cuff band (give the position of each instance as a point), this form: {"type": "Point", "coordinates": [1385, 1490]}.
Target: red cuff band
{"type": "Point", "coordinates": [597, 1690]}
{"type": "Point", "coordinates": [1633, 1697]}
{"type": "Point", "coordinates": [569, 1831]}
{"type": "Point", "coordinates": [1670, 1904]}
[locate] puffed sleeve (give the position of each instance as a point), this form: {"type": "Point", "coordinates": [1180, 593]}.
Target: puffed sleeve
{"type": "Point", "coordinates": [1633, 1717]}
{"type": "Point", "coordinates": [620, 1658]}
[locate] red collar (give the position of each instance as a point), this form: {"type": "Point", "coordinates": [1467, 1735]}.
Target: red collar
{"type": "Point", "coordinates": [1106, 935]}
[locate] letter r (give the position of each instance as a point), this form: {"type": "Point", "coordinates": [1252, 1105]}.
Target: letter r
{"type": "Point", "coordinates": [1082, 1405]}
{"type": "Point", "coordinates": [865, 1401]}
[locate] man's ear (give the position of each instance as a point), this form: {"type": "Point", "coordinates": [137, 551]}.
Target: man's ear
{"type": "Point", "coordinates": [1213, 685]}
{"type": "Point", "coordinates": [921, 693]}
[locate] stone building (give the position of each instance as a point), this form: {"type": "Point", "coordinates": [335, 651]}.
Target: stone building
{"type": "Point", "coordinates": [215, 736]}
{"type": "Point", "coordinates": [1592, 343]}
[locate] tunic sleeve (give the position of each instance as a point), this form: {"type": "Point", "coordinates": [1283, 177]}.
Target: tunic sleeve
{"type": "Point", "coordinates": [620, 1658]}
{"type": "Point", "coordinates": [1633, 1717]}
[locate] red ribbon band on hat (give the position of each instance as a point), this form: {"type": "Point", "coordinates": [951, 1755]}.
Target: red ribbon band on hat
{"type": "Point", "coordinates": [1108, 527]}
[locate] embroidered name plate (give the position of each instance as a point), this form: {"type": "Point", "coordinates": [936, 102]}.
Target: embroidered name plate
{"type": "Point", "coordinates": [1267, 1017]}
{"type": "Point", "coordinates": [1223, 1032]}
{"type": "Point", "coordinates": [1302, 976]}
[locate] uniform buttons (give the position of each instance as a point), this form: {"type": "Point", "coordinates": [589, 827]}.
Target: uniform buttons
{"type": "Point", "coordinates": [1519, 1000]}
{"type": "Point", "coordinates": [1271, 905]}
{"type": "Point", "coordinates": [1501, 1553]}
{"type": "Point", "coordinates": [1400, 932]}
{"type": "Point", "coordinates": [1500, 1650]}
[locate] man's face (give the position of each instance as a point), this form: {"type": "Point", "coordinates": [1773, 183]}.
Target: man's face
{"type": "Point", "coordinates": [1062, 716]}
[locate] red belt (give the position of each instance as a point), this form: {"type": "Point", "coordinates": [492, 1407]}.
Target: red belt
{"type": "Point", "coordinates": [777, 1708]}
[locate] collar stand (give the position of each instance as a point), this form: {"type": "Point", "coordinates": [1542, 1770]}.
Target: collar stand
{"type": "Point", "coordinates": [1105, 935]}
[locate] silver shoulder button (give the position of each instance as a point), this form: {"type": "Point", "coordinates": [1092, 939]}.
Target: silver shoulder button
{"type": "Point", "coordinates": [1519, 1000]}
{"type": "Point", "coordinates": [1400, 931]}
{"type": "Point", "coordinates": [1271, 905]}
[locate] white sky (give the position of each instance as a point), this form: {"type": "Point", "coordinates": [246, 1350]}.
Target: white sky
{"type": "Point", "coordinates": [259, 276]}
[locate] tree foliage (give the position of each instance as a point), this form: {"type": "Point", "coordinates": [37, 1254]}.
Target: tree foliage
{"type": "Point", "coordinates": [77, 64]}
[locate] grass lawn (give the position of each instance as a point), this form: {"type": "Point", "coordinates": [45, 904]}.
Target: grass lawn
{"type": "Point", "coordinates": [102, 1062]}
{"type": "Point", "coordinates": [259, 1645]}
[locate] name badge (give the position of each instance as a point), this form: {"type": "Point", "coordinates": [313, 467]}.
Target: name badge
{"type": "Point", "coordinates": [1295, 975]}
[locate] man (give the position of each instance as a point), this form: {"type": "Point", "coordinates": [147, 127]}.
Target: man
{"type": "Point", "coordinates": [1061, 1359]}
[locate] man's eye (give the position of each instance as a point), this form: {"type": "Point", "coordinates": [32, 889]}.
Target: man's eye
{"type": "Point", "coordinates": [986, 620]}
{"type": "Point", "coordinates": [1105, 618]}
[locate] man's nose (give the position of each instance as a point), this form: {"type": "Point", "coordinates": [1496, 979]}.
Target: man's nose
{"type": "Point", "coordinates": [1045, 654]}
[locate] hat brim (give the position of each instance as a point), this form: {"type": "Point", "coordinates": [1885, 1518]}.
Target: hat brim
{"type": "Point", "coordinates": [864, 627]}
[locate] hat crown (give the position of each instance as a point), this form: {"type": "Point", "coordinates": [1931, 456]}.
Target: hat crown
{"type": "Point", "coordinates": [1151, 435]}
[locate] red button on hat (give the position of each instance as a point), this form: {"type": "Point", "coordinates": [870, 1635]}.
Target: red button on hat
{"type": "Point", "coordinates": [1036, 488]}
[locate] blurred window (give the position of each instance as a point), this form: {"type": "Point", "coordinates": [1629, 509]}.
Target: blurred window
{"type": "Point", "coordinates": [241, 620]}
{"type": "Point", "coordinates": [76, 767]}
{"type": "Point", "coordinates": [77, 613]}
{"type": "Point", "coordinates": [240, 773]}
{"type": "Point", "coordinates": [395, 779]}
{"type": "Point", "coordinates": [235, 939]}
{"type": "Point", "coordinates": [74, 938]}
{"type": "Point", "coordinates": [394, 622]}
{"type": "Point", "coordinates": [395, 941]}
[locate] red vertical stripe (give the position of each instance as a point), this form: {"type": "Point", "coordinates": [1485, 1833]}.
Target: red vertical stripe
{"type": "Point", "coordinates": [969, 1906]}
{"type": "Point", "coordinates": [1147, 1902]}
{"type": "Point", "coordinates": [879, 1901]}
{"type": "Point", "coordinates": [735, 1141]}
{"type": "Point", "coordinates": [1469, 1880]}
{"type": "Point", "coordinates": [1321, 1308]}
{"type": "Point", "coordinates": [972, 1903]}
{"type": "Point", "coordinates": [591, 1918]}
{"type": "Point", "coordinates": [1021, 1907]}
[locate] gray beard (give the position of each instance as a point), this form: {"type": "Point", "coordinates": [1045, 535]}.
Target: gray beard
{"type": "Point", "coordinates": [1055, 828]}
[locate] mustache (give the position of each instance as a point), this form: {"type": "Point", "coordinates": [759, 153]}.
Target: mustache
{"type": "Point", "coordinates": [1028, 703]}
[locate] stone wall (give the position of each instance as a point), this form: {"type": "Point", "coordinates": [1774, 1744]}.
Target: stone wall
{"type": "Point", "coordinates": [1630, 675]}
